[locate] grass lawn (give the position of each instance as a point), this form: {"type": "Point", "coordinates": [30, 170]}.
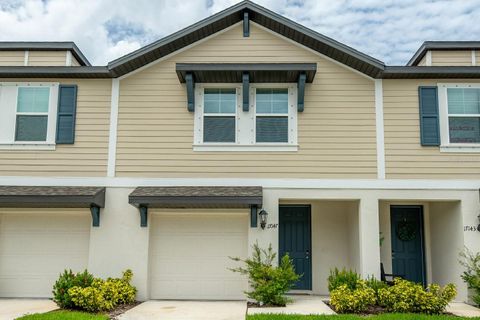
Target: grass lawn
{"type": "Point", "coordinates": [64, 315]}
{"type": "Point", "coordinates": [353, 317]}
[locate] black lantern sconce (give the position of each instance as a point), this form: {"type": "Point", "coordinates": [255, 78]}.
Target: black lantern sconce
{"type": "Point", "coordinates": [478, 227]}
{"type": "Point", "coordinates": [263, 218]}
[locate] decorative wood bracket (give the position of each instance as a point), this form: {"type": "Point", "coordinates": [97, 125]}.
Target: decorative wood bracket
{"type": "Point", "coordinates": [253, 216]}
{"type": "Point", "coordinates": [246, 24]}
{"type": "Point", "coordinates": [246, 90]}
{"type": "Point", "coordinates": [190, 91]}
{"type": "Point", "coordinates": [301, 91]}
{"type": "Point", "coordinates": [95, 210]}
{"type": "Point", "coordinates": [143, 216]}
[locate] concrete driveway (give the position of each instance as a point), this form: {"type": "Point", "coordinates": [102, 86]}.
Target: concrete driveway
{"type": "Point", "coordinates": [14, 308]}
{"type": "Point", "coordinates": [187, 310]}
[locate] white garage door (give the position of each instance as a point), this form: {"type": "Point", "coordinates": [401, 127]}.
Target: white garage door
{"type": "Point", "coordinates": [189, 256]}
{"type": "Point", "coordinates": [36, 245]}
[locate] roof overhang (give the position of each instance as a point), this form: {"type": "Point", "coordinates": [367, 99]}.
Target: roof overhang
{"type": "Point", "coordinates": [55, 72]}
{"type": "Point", "coordinates": [196, 197]}
{"type": "Point", "coordinates": [441, 45]}
{"type": "Point", "coordinates": [414, 72]}
{"type": "Point", "coordinates": [46, 46]}
{"type": "Point", "coordinates": [258, 72]}
{"type": "Point", "coordinates": [257, 14]}
{"type": "Point", "coordinates": [52, 197]}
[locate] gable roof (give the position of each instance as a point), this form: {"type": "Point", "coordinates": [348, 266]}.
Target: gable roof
{"type": "Point", "coordinates": [46, 46]}
{"type": "Point", "coordinates": [258, 14]}
{"type": "Point", "coordinates": [441, 45]}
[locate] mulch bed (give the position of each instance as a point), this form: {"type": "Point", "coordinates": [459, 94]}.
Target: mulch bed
{"type": "Point", "coordinates": [251, 304]}
{"type": "Point", "coordinates": [122, 309]}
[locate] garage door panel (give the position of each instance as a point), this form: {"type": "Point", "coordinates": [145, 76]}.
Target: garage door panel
{"type": "Point", "coordinates": [36, 245]}
{"type": "Point", "coordinates": [189, 256]}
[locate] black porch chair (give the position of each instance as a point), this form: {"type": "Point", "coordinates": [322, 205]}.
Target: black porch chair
{"type": "Point", "coordinates": [388, 277]}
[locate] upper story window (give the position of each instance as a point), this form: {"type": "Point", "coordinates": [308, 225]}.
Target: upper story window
{"type": "Point", "coordinates": [28, 115]}
{"type": "Point", "coordinates": [463, 115]}
{"type": "Point", "coordinates": [222, 125]}
{"type": "Point", "coordinates": [219, 115]}
{"type": "Point", "coordinates": [460, 115]}
{"type": "Point", "coordinates": [271, 115]}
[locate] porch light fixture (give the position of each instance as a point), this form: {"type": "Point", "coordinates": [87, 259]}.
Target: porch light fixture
{"type": "Point", "coordinates": [263, 218]}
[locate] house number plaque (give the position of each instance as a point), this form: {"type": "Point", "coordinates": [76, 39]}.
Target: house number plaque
{"type": "Point", "coordinates": [471, 228]}
{"type": "Point", "coordinates": [272, 226]}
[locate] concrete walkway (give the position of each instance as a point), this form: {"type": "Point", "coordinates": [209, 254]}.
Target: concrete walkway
{"type": "Point", "coordinates": [14, 308]}
{"type": "Point", "coordinates": [304, 305]}
{"type": "Point", "coordinates": [463, 310]}
{"type": "Point", "coordinates": [187, 310]}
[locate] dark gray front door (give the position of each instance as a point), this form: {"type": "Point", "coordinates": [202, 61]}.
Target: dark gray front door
{"type": "Point", "coordinates": [407, 242]}
{"type": "Point", "coordinates": [295, 239]}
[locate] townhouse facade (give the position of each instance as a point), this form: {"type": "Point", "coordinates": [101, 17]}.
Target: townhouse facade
{"type": "Point", "coordinates": [243, 128]}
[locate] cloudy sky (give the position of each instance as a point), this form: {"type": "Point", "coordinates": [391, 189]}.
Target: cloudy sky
{"type": "Point", "coordinates": [389, 30]}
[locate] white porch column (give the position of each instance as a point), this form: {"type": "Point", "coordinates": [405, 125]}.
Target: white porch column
{"type": "Point", "coordinates": [369, 238]}
{"type": "Point", "coordinates": [270, 234]}
{"type": "Point", "coordinates": [119, 243]}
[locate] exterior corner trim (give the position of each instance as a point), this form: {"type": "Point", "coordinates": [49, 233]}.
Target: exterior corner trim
{"type": "Point", "coordinates": [112, 139]}
{"type": "Point", "coordinates": [379, 125]}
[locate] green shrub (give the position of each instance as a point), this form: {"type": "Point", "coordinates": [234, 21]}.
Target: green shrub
{"type": "Point", "coordinates": [104, 295]}
{"type": "Point", "coordinates": [471, 262]}
{"type": "Point", "coordinates": [347, 300]}
{"type": "Point", "coordinates": [269, 283]}
{"type": "Point", "coordinates": [375, 284]}
{"type": "Point", "coordinates": [67, 280]}
{"type": "Point", "coordinates": [346, 277]}
{"type": "Point", "coordinates": [408, 297]}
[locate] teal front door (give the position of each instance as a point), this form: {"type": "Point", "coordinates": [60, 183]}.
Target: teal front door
{"type": "Point", "coordinates": [407, 243]}
{"type": "Point", "coordinates": [295, 239]}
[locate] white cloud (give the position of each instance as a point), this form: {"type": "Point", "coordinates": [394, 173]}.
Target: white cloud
{"type": "Point", "coordinates": [389, 30]}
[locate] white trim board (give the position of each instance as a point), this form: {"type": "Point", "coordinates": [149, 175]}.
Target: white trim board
{"type": "Point", "coordinates": [112, 140]}
{"type": "Point", "coordinates": [379, 129]}
{"type": "Point", "coordinates": [361, 184]}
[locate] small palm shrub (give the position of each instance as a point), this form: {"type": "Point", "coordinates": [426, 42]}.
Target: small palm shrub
{"type": "Point", "coordinates": [68, 279]}
{"type": "Point", "coordinates": [104, 295]}
{"type": "Point", "coordinates": [471, 262]}
{"type": "Point", "coordinates": [345, 277]}
{"type": "Point", "coordinates": [345, 299]}
{"type": "Point", "coordinates": [269, 283]}
{"type": "Point", "coordinates": [409, 297]}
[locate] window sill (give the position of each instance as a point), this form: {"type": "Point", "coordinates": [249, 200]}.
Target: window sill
{"type": "Point", "coordinates": [460, 149]}
{"type": "Point", "coordinates": [27, 146]}
{"type": "Point", "coordinates": [246, 148]}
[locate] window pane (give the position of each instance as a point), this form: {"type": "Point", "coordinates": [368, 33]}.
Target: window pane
{"type": "Point", "coordinates": [272, 100]}
{"type": "Point", "coordinates": [219, 129]}
{"type": "Point", "coordinates": [33, 99]}
{"type": "Point", "coordinates": [463, 100]}
{"type": "Point", "coordinates": [272, 129]}
{"type": "Point", "coordinates": [220, 100]}
{"type": "Point", "coordinates": [464, 130]}
{"type": "Point", "coordinates": [31, 128]}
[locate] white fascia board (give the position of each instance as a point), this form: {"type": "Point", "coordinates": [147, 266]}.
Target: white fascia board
{"type": "Point", "coordinates": [358, 184]}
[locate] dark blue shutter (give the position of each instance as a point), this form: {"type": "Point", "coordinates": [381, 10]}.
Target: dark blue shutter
{"type": "Point", "coordinates": [67, 107]}
{"type": "Point", "coordinates": [429, 126]}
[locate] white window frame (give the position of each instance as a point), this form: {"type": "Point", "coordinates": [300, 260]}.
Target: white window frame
{"type": "Point", "coordinates": [8, 119]}
{"type": "Point", "coordinates": [245, 124]}
{"type": "Point", "coordinates": [445, 145]}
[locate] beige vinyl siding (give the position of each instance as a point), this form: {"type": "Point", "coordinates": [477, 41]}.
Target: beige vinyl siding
{"type": "Point", "coordinates": [12, 58]}
{"type": "Point", "coordinates": [451, 58]}
{"type": "Point", "coordinates": [404, 156]}
{"type": "Point", "coordinates": [336, 132]}
{"type": "Point", "coordinates": [88, 156]}
{"type": "Point", "coordinates": [47, 58]}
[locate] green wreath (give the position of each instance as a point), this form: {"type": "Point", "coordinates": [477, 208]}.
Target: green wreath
{"type": "Point", "coordinates": [406, 231]}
